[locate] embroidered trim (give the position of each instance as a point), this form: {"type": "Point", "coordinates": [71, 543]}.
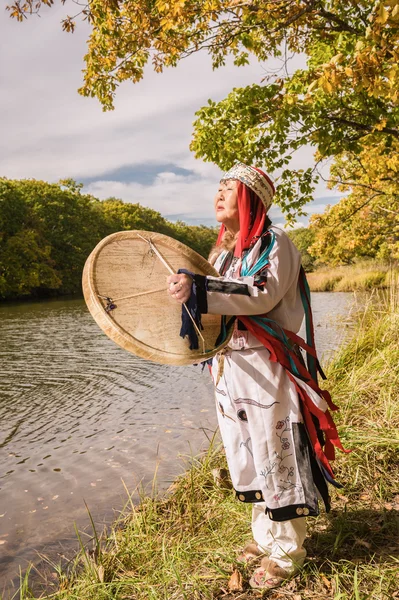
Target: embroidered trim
{"type": "Point", "coordinates": [227, 287]}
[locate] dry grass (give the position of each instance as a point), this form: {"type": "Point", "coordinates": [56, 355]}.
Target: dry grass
{"type": "Point", "coordinates": [363, 276]}
{"type": "Point", "coordinates": [183, 546]}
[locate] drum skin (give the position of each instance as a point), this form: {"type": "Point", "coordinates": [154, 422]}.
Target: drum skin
{"type": "Point", "coordinates": [125, 289]}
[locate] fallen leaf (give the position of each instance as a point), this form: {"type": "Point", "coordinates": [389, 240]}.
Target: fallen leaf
{"type": "Point", "coordinates": [343, 498]}
{"type": "Point", "coordinates": [364, 496]}
{"type": "Point", "coordinates": [235, 582]}
{"type": "Point", "coordinates": [55, 497]}
{"type": "Point", "coordinates": [388, 506]}
{"type": "Point", "coordinates": [326, 582]}
{"type": "Point", "coordinates": [2, 542]}
{"type": "Point", "coordinates": [93, 484]}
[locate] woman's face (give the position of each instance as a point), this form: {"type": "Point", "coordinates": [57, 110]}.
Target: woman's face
{"type": "Point", "coordinates": [226, 206]}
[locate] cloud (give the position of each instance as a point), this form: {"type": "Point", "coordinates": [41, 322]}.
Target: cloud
{"type": "Point", "coordinates": [170, 193]}
{"type": "Point", "coordinates": [140, 151]}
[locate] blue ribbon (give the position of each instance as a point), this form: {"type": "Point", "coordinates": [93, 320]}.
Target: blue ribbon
{"type": "Point", "coordinates": [187, 327]}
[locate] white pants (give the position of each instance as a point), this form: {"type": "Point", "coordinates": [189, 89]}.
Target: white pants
{"type": "Point", "coordinates": [282, 541]}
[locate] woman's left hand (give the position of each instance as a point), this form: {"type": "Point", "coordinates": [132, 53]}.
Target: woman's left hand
{"type": "Point", "coordinates": [179, 287]}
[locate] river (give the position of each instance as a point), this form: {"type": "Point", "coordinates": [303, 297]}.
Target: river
{"type": "Point", "coordinates": [81, 419]}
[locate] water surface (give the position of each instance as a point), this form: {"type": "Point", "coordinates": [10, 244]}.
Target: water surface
{"type": "Point", "coordinates": [78, 415]}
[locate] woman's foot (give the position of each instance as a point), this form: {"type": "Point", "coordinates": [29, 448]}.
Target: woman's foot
{"type": "Point", "coordinates": [268, 576]}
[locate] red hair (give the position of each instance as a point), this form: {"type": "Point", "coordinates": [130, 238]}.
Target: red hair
{"type": "Point", "coordinates": [252, 216]}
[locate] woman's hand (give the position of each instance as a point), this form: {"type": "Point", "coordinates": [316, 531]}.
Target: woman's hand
{"type": "Point", "coordinates": [179, 287]}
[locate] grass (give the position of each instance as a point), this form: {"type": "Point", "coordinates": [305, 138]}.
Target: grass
{"type": "Point", "coordinates": [182, 546]}
{"type": "Point", "coordinates": [363, 276]}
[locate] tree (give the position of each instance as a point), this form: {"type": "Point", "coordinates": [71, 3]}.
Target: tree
{"type": "Point", "coordinates": [47, 231]}
{"type": "Point", "coordinates": [121, 215]}
{"type": "Point", "coordinates": [25, 256]}
{"type": "Point", "coordinates": [345, 97]}
{"type": "Point", "coordinates": [303, 238]}
{"type": "Point", "coordinates": [365, 224]}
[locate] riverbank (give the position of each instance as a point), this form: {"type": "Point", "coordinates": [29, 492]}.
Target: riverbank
{"type": "Point", "coordinates": [363, 276]}
{"type": "Point", "coordinates": [183, 546]}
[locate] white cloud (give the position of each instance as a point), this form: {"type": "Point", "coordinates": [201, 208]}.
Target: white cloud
{"type": "Point", "coordinates": [169, 194]}
{"type": "Point", "coordinates": [50, 132]}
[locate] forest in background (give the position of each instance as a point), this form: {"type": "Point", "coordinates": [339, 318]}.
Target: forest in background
{"type": "Point", "coordinates": [343, 101]}
{"type": "Point", "coordinates": [47, 231]}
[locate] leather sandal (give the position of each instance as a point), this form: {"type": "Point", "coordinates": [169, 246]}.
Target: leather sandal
{"type": "Point", "coordinates": [268, 576]}
{"type": "Point", "coordinates": [249, 553]}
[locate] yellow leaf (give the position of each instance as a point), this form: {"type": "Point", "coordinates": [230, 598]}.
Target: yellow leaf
{"type": "Point", "coordinates": [326, 85]}
{"type": "Point", "coordinates": [349, 71]}
{"type": "Point", "coordinates": [336, 59]}
{"type": "Point", "coordinates": [382, 15]}
{"type": "Point", "coordinates": [313, 85]}
{"type": "Point", "coordinates": [381, 125]}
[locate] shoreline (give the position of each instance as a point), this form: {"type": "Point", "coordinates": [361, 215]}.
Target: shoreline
{"type": "Point", "coordinates": [183, 544]}
{"type": "Point", "coordinates": [362, 277]}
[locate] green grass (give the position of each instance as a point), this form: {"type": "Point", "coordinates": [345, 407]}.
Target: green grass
{"type": "Point", "coordinates": [182, 546]}
{"type": "Point", "coordinates": [363, 276]}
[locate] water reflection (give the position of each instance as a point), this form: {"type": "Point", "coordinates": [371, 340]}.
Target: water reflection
{"type": "Point", "coordinates": [78, 414]}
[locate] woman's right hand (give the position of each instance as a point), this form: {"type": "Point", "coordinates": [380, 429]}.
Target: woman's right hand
{"type": "Point", "coordinates": [179, 287]}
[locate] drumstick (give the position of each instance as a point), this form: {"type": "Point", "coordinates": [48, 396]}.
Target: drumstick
{"type": "Point", "coordinates": [169, 268]}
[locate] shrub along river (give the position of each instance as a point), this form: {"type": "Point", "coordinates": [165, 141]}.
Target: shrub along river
{"type": "Point", "coordinates": [78, 415]}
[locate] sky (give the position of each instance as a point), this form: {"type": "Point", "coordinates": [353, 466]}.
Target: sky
{"type": "Point", "coordinates": [140, 151]}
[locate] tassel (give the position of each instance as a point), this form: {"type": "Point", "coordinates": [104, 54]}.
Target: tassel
{"type": "Point", "coordinates": [221, 358]}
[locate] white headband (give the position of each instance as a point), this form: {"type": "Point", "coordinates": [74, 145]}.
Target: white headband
{"type": "Point", "coordinates": [258, 183]}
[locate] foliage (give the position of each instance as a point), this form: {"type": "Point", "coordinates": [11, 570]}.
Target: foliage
{"type": "Point", "coordinates": [365, 224]}
{"type": "Point", "coordinates": [48, 230]}
{"type": "Point", "coordinates": [303, 238]}
{"type": "Point", "coordinates": [344, 98]}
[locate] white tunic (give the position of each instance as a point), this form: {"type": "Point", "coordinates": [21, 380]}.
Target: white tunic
{"type": "Point", "coordinates": [266, 444]}
{"type": "Point", "coordinates": [280, 297]}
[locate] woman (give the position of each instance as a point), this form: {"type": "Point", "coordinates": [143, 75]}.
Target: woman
{"type": "Point", "coordinates": [272, 414]}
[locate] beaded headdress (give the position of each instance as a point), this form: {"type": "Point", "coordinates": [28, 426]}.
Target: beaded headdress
{"type": "Point", "coordinates": [253, 178]}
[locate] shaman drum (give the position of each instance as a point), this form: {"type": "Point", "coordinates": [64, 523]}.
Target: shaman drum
{"type": "Point", "coordinates": [125, 289]}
